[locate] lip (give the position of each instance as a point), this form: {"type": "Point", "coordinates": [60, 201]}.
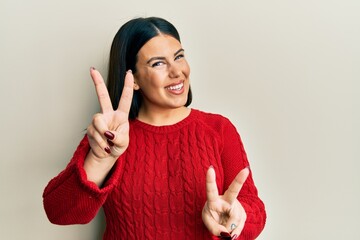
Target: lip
{"type": "Point", "coordinates": [174, 90]}
{"type": "Point", "coordinates": [174, 84]}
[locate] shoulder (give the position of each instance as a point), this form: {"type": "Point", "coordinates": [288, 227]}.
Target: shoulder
{"type": "Point", "coordinates": [214, 121]}
{"type": "Point", "coordinates": [218, 127]}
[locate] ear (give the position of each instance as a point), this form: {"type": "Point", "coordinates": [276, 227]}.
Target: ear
{"type": "Point", "coordinates": [136, 86]}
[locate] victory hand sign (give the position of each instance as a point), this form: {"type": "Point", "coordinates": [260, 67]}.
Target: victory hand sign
{"type": "Point", "coordinates": [108, 133]}
{"type": "Point", "coordinates": [224, 215]}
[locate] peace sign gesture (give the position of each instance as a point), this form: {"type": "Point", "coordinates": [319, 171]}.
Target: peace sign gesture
{"type": "Point", "coordinates": [108, 133]}
{"type": "Point", "coordinates": [224, 215]}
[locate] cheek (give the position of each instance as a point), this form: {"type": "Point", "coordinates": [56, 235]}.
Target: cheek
{"type": "Point", "coordinates": [146, 78]}
{"type": "Point", "coordinates": [187, 69]}
{"type": "Point", "coordinates": [156, 79]}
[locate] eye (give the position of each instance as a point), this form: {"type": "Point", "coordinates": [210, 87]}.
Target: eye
{"type": "Point", "coordinates": [179, 56]}
{"type": "Point", "coordinates": [156, 64]}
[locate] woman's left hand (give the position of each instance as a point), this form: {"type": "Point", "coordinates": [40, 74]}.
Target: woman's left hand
{"type": "Point", "coordinates": [224, 215]}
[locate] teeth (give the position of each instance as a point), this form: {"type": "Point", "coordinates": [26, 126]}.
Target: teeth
{"type": "Point", "coordinates": [176, 87]}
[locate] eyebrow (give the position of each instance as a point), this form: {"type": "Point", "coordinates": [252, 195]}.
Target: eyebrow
{"type": "Point", "coordinates": [162, 58]}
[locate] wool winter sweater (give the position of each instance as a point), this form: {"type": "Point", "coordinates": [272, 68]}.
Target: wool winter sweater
{"type": "Point", "coordinates": [156, 189]}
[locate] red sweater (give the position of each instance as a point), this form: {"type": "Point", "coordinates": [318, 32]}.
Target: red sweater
{"type": "Point", "coordinates": [156, 189]}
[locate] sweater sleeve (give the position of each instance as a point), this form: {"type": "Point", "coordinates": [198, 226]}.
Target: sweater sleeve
{"type": "Point", "coordinates": [234, 159]}
{"type": "Point", "coordinates": [70, 198]}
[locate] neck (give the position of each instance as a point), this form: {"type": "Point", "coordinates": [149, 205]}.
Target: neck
{"type": "Point", "coordinates": [162, 117]}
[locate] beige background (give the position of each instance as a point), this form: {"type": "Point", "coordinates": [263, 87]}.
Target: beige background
{"type": "Point", "coordinates": [285, 72]}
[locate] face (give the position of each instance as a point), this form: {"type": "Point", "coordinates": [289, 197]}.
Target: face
{"type": "Point", "coordinates": [162, 74]}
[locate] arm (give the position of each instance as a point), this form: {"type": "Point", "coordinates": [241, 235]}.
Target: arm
{"type": "Point", "coordinates": [237, 212]}
{"type": "Point", "coordinates": [70, 198]}
{"type": "Point", "coordinates": [234, 159]}
{"type": "Point", "coordinates": [78, 192]}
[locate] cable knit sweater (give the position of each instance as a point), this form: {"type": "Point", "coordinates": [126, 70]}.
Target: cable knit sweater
{"type": "Point", "coordinates": [156, 189]}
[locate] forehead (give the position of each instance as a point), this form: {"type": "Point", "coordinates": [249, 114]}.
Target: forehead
{"type": "Point", "coordinates": [160, 46]}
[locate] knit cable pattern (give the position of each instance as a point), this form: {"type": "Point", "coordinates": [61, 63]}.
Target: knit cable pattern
{"type": "Point", "coordinates": [157, 188]}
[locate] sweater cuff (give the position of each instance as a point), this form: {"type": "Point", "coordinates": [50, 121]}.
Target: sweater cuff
{"type": "Point", "coordinates": [88, 185]}
{"type": "Point", "coordinates": [255, 221]}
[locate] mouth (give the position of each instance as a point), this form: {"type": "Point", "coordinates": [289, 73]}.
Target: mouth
{"type": "Point", "coordinates": [176, 88]}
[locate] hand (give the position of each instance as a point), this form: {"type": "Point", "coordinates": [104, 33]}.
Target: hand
{"type": "Point", "coordinates": [108, 133]}
{"type": "Point", "coordinates": [224, 215]}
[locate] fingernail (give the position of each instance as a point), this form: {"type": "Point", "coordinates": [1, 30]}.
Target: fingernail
{"type": "Point", "coordinates": [129, 71]}
{"type": "Point", "coordinates": [109, 135]}
{"type": "Point", "coordinates": [225, 238]}
{"type": "Point", "coordinates": [225, 234]}
{"type": "Point", "coordinates": [92, 68]}
{"type": "Point", "coordinates": [234, 237]}
{"type": "Point", "coordinates": [108, 150]}
{"type": "Point", "coordinates": [211, 166]}
{"type": "Point", "coordinates": [110, 142]}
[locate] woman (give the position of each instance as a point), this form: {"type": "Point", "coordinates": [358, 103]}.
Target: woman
{"type": "Point", "coordinates": [159, 169]}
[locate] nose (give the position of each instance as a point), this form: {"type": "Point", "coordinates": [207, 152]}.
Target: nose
{"type": "Point", "coordinates": [174, 70]}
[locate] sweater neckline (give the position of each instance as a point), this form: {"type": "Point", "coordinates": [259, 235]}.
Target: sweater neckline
{"type": "Point", "coordinates": [167, 128]}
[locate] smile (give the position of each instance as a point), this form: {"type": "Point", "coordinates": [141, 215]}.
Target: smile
{"type": "Point", "coordinates": [176, 87]}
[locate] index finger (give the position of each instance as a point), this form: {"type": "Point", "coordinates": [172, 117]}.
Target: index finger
{"type": "Point", "coordinates": [101, 91]}
{"type": "Point", "coordinates": [212, 193]}
{"type": "Point", "coordinates": [233, 191]}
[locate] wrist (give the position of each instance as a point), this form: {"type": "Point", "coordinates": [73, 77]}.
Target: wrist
{"type": "Point", "coordinates": [97, 168]}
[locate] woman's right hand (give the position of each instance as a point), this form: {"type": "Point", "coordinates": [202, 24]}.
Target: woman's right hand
{"type": "Point", "coordinates": [108, 133]}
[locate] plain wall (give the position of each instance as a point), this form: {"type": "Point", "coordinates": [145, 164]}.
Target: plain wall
{"type": "Point", "coordinates": [285, 72]}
